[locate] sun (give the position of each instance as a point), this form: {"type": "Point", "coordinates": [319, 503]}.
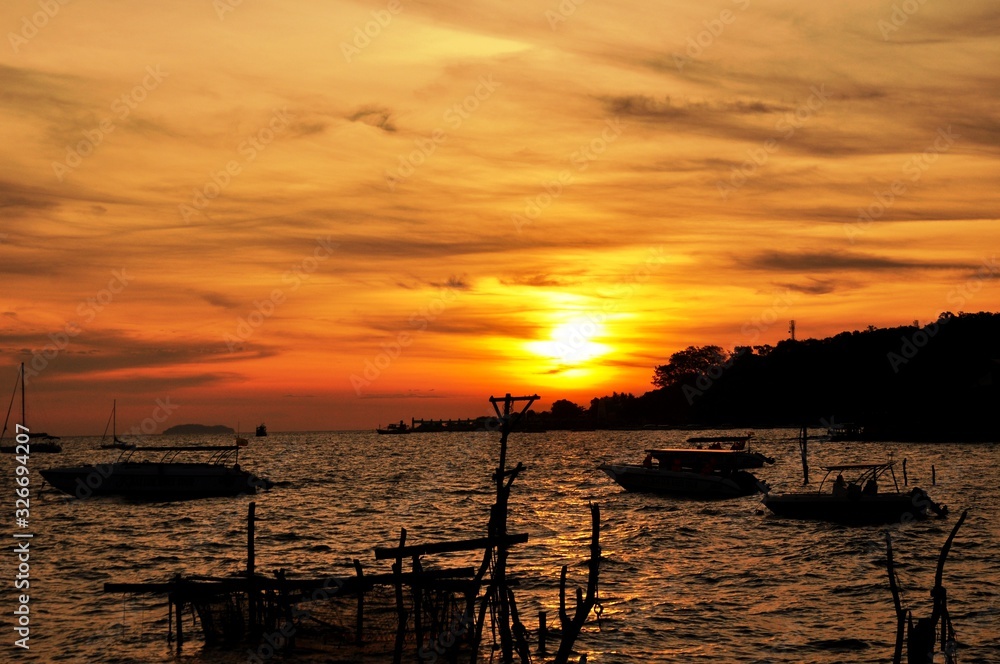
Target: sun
{"type": "Point", "coordinates": [572, 344]}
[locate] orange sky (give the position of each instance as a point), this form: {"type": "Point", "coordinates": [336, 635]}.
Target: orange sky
{"type": "Point", "coordinates": [334, 215]}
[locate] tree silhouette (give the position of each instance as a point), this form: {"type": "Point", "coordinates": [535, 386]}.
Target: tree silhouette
{"type": "Point", "coordinates": [686, 365]}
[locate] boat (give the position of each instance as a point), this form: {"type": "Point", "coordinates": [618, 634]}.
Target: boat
{"type": "Point", "coordinates": [394, 429]}
{"type": "Point", "coordinates": [858, 501]}
{"type": "Point", "coordinates": [261, 430]}
{"type": "Point", "coordinates": [37, 441]}
{"type": "Point", "coordinates": [689, 472]}
{"type": "Point", "coordinates": [164, 479]}
{"type": "Point", "coordinates": [116, 443]}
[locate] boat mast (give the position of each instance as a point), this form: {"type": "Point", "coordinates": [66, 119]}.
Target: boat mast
{"type": "Point", "coordinates": [24, 422]}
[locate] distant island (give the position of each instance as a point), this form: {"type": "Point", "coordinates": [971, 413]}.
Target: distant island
{"type": "Point", "coordinates": [189, 429]}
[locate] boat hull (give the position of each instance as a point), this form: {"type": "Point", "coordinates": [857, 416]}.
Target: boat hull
{"type": "Point", "coordinates": [153, 481]}
{"type": "Point", "coordinates": [682, 483]}
{"type": "Point", "coordinates": [879, 508]}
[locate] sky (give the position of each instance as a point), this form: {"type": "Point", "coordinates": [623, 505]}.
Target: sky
{"type": "Point", "coordinates": [333, 215]}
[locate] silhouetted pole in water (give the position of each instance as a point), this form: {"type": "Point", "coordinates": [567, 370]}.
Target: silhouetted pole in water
{"type": "Point", "coordinates": [933, 476]}
{"type": "Point", "coordinates": [251, 568]}
{"type": "Point", "coordinates": [906, 482]}
{"type": "Point", "coordinates": [920, 638]}
{"type": "Point", "coordinates": [803, 448]}
{"type": "Point", "coordinates": [498, 528]}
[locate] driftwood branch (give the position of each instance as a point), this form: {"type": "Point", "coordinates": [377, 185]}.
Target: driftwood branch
{"type": "Point", "coordinates": [571, 626]}
{"type": "Point", "coordinates": [920, 636]}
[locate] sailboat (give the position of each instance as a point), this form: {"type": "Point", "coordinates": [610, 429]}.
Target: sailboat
{"type": "Point", "coordinates": [116, 443]}
{"type": "Point", "coordinates": [34, 438]}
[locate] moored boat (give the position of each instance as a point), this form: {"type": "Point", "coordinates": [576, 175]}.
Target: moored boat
{"type": "Point", "coordinates": [859, 501]}
{"type": "Point", "coordinates": [394, 429]}
{"type": "Point", "coordinates": [689, 472]}
{"type": "Point", "coordinates": [165, 479]}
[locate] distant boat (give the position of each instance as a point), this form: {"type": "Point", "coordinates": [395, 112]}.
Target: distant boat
{"type": "Point", "coordinates": [116, 443]}
{"type": "Point", "coordinates": [165, 479]}
{"type": "Point", "coordinates": [393, 429]}
{"type": "Point", "coordinates": [690, 472]}
{"type": "Point", "coordinates": [847, 431]}
{"type": "Point", "coordinates": [858, 501]}
{"type": "Point", "coordinates": [261, 430]}
{"type": "Point", "coordinates": [33, 436]}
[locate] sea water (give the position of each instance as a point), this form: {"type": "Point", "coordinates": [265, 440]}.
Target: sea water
{"type": "Point", "coordinates": [681, 580]}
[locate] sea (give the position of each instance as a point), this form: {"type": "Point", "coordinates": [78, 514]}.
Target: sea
{"type": "Point", "coordinates": [680, 580]}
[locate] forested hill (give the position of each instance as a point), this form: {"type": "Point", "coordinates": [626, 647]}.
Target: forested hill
{"type": "Point", "coordinates": [935, 382]}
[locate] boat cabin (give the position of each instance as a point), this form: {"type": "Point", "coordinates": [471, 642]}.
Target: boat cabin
{"type": "Point", "coordinates": [864, 476]}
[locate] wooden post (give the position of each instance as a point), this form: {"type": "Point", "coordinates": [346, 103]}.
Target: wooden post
{"type": "Point", "coordinates": [360, 626]}
{"type": "Point", "coordinates": [933, 476]}
{"type": "Point", "coordinates": [803, 448]}
{"type": "Point", "coordinates": [418, 589]}
{"type": "Point", "coordinates": [906, 481]}
{"type": "Point", "coordinates": [252, 570]}
{"type": "Point", "coordinates": [498, 522]}
{"type": "Point", "coordinates": [397, 571]}
{"type": "Point", "coordinates": [543, 633]}
{"type": "Point", "coordinates": [178, 599]}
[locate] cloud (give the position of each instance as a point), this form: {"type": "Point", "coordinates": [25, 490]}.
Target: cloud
{"type": "Point", "coordinates": [220, 300]}
{"type": "Point", "coordinates": [844, 261]}
{"type": "Point", "coordinates": [376, 116]}
{"type": "Point", "coordinates": [818, 287]}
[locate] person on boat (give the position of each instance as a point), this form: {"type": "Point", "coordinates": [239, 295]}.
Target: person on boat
{"type": "Point", "coordinates": [648, 461]}
{"type": "Point", "coordinates": [871, 487]}
{"type": "Point", "coordinates": [839, 486]}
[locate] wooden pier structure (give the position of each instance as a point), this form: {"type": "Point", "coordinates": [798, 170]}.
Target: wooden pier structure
{"type": "Point", "coordinates": [432, 612]}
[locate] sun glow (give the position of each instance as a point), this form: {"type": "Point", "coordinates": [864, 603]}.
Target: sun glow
{"type": "Point", "coordinates": [572, 343]}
